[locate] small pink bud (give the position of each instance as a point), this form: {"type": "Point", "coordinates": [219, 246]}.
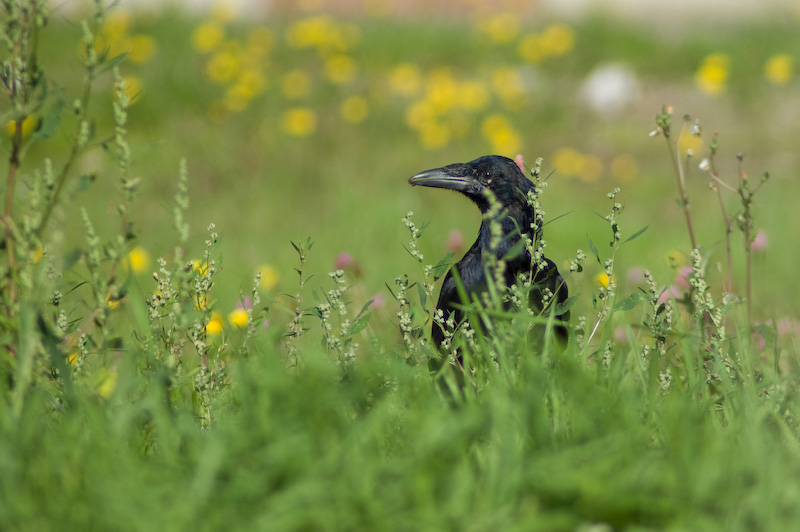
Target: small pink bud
{"type": "Point", "coordinates": [670, 293]}
{"type": "Point", "coordinates": [520, 163]}
{"type": "Point", "coordinates": [682, 279]}
{"type": "Point", "coordinates": [455, 241]}
{"type": "Point", "coordinates": [343, 261]}
{"type": "Point", "coordinates": [760, 242]}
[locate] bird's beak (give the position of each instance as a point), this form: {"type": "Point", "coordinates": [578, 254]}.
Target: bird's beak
{"type": "Point", "coordinates": [452, 177]}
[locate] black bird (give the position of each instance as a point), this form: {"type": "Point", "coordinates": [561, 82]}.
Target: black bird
{"type": "Point", "coordinates": [510, 187]}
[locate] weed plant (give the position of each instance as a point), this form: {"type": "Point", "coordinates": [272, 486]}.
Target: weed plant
{"type": "Point", "coordinates": [125, 405]}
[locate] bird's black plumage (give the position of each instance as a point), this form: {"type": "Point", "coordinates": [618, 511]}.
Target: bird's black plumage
{"type": "Point", "coordinates": [510, 187]}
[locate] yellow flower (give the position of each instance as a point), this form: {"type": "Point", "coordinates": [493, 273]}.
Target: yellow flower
{"type": "Point", "coordinates": [215, 324]}
{"type": "Point", "coordinates": [531, 48]}
{"type": "Point", "coordinates": [441, 90]}
{"type": "Point", "coordinates": [340, 69]}
{"type": "Point", "coordinates": [405, 79]}
{"type": "Point", "coordinates": [434, 135]}
{"type": "Point", "coordinates": [299, 121]}
{"type": "Point", "coordinates": [420, 113]}
{"type": "Point", "coordinates": [116, 24]}
{"type": "Point", "coordinates": [27, 126]}
{"type": "Point", "coordinates": [252, 81]}
{"type": "Point", "coordinates": [207, 36]}
{"type": "Point", "coordinates": [687, 142]}
{"type": "Point", "coordinates": [295, 84]}
{"type": "Point", "coordinates": [624, 167]}
{"type": "Point", "coordinates": [778, 69]}
{"type": "Point", "coordinates": [108, 382]}
{"type": "Point", "coordinates": [238, 317]}
{"type": "Point", "coordinates": [568, 161]}
{"type": "Point", "coordinates": [501, 28]}
{"type": "Point", "coordinates": [558, 39]}
{"type": "Point", "coordinates": [354, 109]}
{"type": "Point", "coordinates": [138, 260]}
{"type": "Point", "coordinates": [501, 134]}
{"type": "Point", "coordinates": [507, 83]}
{"type": "Point", "coordinates": [602, 279]}
{"type": "Point", "coordinates": [38, 253]}
{"type": "Point", "coordinates": [200, 266]}
{"type": "Point", "coordinates": [237, 97]}
{"type": "Point", "coordinates": [222, 67]}
{"type": "Point", "coordinates": [269, 277]}
{"type": "Point", "coordinates": [310, 31]}
{"type": "Point", "coordinates": [473, 95]}
{"type": "Point", "coordinates": [143, 47]}
{"type": "Point", "coordinates": [712, 75]}
{"type": "Point", "coordinates": [72, 359]}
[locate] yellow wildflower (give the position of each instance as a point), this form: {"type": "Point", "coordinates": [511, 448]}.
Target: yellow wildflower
{"type": "Point", "coordinates": [238, 317]}
{"type": "Point", "coordinates": [501, 28]}
{"type": "Point", "coordinates": [434, 135]}
{"type": "Point", "coordinates": [143, 47]}
{"type": "Point", "coordinates": [222, 67]}
{"type": "Point", "coordinates": [778, 69]}
{"type": "Point", "coordinates": [712, 75]}
{"type": "Point", "coordinates": [568, 161]}
{"type": "Point", "coordinates": [27, 126]}
{"type": "Point", "coordinates": [405, 79]}
{"type": "Point", "coordinates": [138, 260]}
{"type": "Point", "coordinates": [269, 277]}
{"type": "Point", "coordinates": [116, 23]}
{"type": "Point", "coordinates": [602, 279]}
{"type": "Point", "coordinates": [252, 81]}
{"type": "Point", "coordinates": [501, 134]}
{"type": "Point", "coordinates": [557, 39]}
{"type": "Point", "coordinates": [354, 109]}
{"type": "Point", "coordinates": [531, 48]}
{"type": "Point", "coordinates": [299, 121]}
{"type": "Point", "coordinates": [310, 31]}
{"type": "Point", "coordinates": [340, 69]}
{"type": "Point", "coordinates": [441, 90]}
{"type": "Point", "coordinates": [420, 113]}
{"type": "Point", "coordinates": [215, 324]}
{"type": "Point", "coordinates": [72, 359]}
{"type": "Point", "coordinates": [207, 36]}
{"type": "Point", "coordinates": [237, 97]}
{"type": "Point", "coordinates": [108, 382]}
{"type": "Point", "coordinates": [507, 83]}
{"type": "Point", "coordinates": [473, 95]}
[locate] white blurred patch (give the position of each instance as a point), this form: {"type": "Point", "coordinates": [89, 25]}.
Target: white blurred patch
{"type": "Point", "coordinates": [609, 88]}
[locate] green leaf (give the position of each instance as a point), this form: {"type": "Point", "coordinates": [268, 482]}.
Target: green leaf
{"type": "Point", "coordinates": [637, 233]}
{"type": "Point", "coordinates": [442, 266]}
{"type": "Point", "coordinates": [567, 304]}
{"type": "Point", "coordinates": [362, 320]}
{"type": "Point", "coordinates": [630, 302]}
{"type": "Point", "coordinates": [593, 249]}
{"type": "Point", "coordinates": [515, 250]}
{"type": "Point", "coordinates": [423, 297]}
{"type": "Point", "coordinates": [114, 61]}
{"type": "Point", "coordinates": [51, 119]}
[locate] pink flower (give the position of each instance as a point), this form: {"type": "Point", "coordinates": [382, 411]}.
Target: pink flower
{"type": "Point", "coordinates": [673, 292]}
{"type": "Point", "coordinates": [343, 261]}
{"type": "Point", "coordinates": [455, 241]}
{"type": "Point", "coordinates": [760, 242]}
{"type": "Point", "coordinates": [682, 279]}
{"type": "Point", "coordinates": [520, 163]}
{"type": "Point", "coordinates": [378, 300]}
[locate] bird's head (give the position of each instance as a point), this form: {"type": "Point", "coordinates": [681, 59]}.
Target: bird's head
{"type": "Point", "coordinates": [494, 173]}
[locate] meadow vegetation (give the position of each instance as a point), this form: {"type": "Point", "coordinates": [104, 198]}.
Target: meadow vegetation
{"type": "Point", "coordinates": [216, 301]}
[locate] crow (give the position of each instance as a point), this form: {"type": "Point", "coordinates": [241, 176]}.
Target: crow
{"type": "Point", "coordinates": [478, 180]}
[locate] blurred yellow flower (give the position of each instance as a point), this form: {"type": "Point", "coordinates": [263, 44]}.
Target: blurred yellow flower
{"type": "Point", "coordinates": [501, 28]}
{"type": "Point", "coordinates": [712, 75]}
{"type": "Point", "coordinates": [269, 277]}
{"type": "Point", "coordinates": [340, 69]}
{"type": "Point", "coordinates": [624, 167]}
{"type": "Point", "coordinates": [473, 95]}
{"type": "Point", "coordinates": [778, 69]}
{"type": "Point", "coordinates": [253, 81]}
{"type": "Point", "coordinates": [311, 31]}
{"type": "Point", "coordinates": [433, 135]}
{"type": "Point", "coordinates": [72, 359]}
{"type": "Point", "coordinates": [507, 84]}
{"type": "Point", "coordinates": [441, 90]}
{"type": "Point", "coordinates": [215, 324]}
{"type": "Point", "coordinates": [138, 260]}
{"type": "Point", "coordinates": [38, 253]}
{"type": "Point", "coordinates": [602, 279]}
{"type": "Point", "coordinates": [238, 317]}
{"type": "Point", "coordinates": [558, 39]}
{"type": "Point", "coordinates": [222, 67]}
{"type": "Point", "coordinates": [200, 266]}
{"type": "Point", "coordinates": [405, 79]}
{"type": "Point", "coordinates": [143, 47]}
{"type": "Point", "coordinates": [116, 23]}
{"type": "Point", "coordinates": [295, 84]}
{"type": "Point", "coordinates": [113, 301]}
{"type": "Point", "coordinates": [568, 161]}
{"type": "Point", "coordinates": [419, 113]}
{"type": "Point", "coordinates": [501, 134]}
{"type": "Point", "coordinates": [354, 109]}
{"type": "Point", "coordinates": [207, 36]}
{"type": "Point", "coordinates": [107, 383]}
{"type": "Point", "coordinates": [688, 142]}
{"type": "Point", "coordinates": [237, 98]}
{"type": "Point", "coordinates": [27, 126]}
{"type": "Point", "coordinates": [531, 48]}
{"type": "Point", "coordinates": [299, 121]}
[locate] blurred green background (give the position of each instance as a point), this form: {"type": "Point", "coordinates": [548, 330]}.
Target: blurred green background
{"type": "Point", "coordinates": [306, 119]}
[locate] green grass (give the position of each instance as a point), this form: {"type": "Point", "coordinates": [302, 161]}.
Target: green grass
{"type": "Point", "coordinates": [162, 425]}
